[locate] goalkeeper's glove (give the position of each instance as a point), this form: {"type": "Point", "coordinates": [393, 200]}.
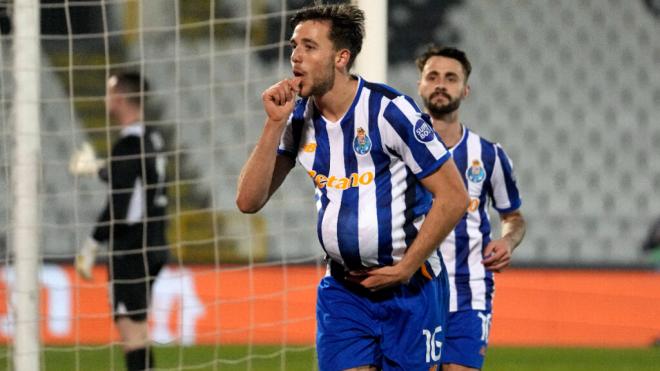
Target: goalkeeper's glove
{"type": "Point", "coordinates": [86, 257]}
{"type": "Point", "coordinates": [84, 162]}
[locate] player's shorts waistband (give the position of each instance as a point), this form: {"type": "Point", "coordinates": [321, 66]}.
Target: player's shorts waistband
{"type": "Point", "coordinates": [339, 273]}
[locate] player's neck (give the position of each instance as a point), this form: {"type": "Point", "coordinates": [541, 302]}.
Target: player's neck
{"type": "Point", "coordinates": [129, 118]}
{"type": "Point", "coordinates": [449, 128]}
{"type": "Point", "coordinates": [334, 103]}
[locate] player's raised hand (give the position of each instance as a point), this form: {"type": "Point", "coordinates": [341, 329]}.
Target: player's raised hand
{"type": "Point", "coordinates": [279, 99]}
{"type": "Point", "coordinates": [85, 259]}
{"type": "Point", "coordinates": [497, 255]}
{"type": "Point", "coordinates": [83, 161]}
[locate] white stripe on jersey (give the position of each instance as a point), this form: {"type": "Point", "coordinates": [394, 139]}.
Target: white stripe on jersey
{"type": "Point", "coordinates": [477, 269]}
{"type": "Point", "coordinates": [331, 215]}
{"type": "Point", "coordinates": [449, 256]}
{"type": "Point", "coordinates": [500, 196]}
{"type": "Point", "coordinates": [367, 200]}
{"type": "Point", "coordinates": [398, 171]}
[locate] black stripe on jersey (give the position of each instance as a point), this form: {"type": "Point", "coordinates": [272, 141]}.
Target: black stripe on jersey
{"type": "Point", "coordinates": [298, 121]}
{"type": "Point", "coordinates": [385, 90]}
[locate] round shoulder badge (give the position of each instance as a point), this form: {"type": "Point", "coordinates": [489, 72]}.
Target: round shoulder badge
{"type": "Point", "coordinates": [423, 131]}
{"type": "Point", "coordinates": [361, 142]}
{"type": "Point", "coordinates": [475, 173]}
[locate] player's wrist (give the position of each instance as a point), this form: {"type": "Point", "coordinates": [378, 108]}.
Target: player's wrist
{"type": "Point", "coordinates": [276, 122]}
{"type": "Point", "coordinates": [272, 131]}
{"type": "Point", "coordinates": [90, 245]}
{"type": "Point", "coordinates": [509, 243]}
{"type": "Point", "coordinates": [407, 269]}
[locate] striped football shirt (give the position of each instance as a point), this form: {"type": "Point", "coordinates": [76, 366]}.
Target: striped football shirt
{"type": "Point", "coordinates": [366, 168]}
{"type": "Point", "coordinates": [488, 175]}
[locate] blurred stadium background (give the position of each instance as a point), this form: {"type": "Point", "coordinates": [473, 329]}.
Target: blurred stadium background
{"type": "Point", "coordinates": [571, 88]}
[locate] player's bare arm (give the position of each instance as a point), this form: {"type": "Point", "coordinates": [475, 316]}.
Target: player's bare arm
{"type": "Point", "coordinates": [265, 170]}
{"type": "Point", "coordinates": [498, 253]}
{"type": "Point", "coordinates": [449, 205]}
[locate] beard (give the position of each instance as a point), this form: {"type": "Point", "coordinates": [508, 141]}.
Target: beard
{"type": "Point", "coordinates": [322, 83]}
{"type": "Point", "coordinates": [437, 110]}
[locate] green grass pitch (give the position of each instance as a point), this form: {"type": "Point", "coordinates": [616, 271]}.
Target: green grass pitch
{"type": "Point", "coordinates": [238, 358]}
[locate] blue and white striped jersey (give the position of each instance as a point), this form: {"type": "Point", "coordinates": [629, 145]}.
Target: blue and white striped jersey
{"type": "Point", "coordinates": [489, 178]}
{"type": "Point", "coordinates": [366, 169]}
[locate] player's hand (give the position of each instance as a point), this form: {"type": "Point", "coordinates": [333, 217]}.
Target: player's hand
{"type": "Point", "coordinates": [279, 99]}
{"type": "Point", "coordinates": [497, 255]}
{"type": "Point", "coordinates": [84, 162]}
{"type": "Point", "coordinates": [379, 278]}
{"type": "Point", "coordinates": [86, 258]}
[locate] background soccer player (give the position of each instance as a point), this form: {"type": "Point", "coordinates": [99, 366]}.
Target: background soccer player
{"type": "Point", "coordinates": [377, 165]}
{"type": "Point", "coordinates": [469, 253]}
{"type": "Point", "coordinates": [133, 219]}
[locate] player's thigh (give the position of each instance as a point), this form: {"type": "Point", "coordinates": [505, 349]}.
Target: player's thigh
{"type": "Point", "coordinates": [414, 333]}
{"type": "Point", "coordinates": [347, 332]}
{"type": "Point", "coordinates": [466, 339]}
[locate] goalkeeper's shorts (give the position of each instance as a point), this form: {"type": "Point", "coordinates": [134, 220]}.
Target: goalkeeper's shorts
{"type": "Point", "coordinates": [401, 328]}
{"type": "Point", "coordinates": [132, 281]}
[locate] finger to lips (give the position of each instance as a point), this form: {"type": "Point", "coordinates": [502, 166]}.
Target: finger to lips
{"type": "Point", "coordinates": [290, 93]}
{"type": "Point", "coordinates": [296, 83]}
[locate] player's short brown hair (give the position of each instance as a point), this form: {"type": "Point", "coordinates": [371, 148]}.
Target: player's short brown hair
{"type": "Point", "coordinates": [448, 52]}
{"type": "Point", "coordinates": [346, 25]}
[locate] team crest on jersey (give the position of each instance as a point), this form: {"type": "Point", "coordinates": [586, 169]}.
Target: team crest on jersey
{"type": "Point", "coordinates": [361, 142]}
{"type": "Point", "coordinates": [423, 131]}
{"type": "Point", "coordinates": [475, 173]}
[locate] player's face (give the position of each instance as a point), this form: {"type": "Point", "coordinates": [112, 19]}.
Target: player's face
{"type": "Point", "coordinates": [312, 57]}
{"type": "Point", "coordinates": [112, 97]}
{"type": "Point", "coordinates": [442, 85]}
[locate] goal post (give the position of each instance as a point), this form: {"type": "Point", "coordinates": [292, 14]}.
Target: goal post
{"type": "Point", "coordinates": [25, 184]}
{"type": "Point", "coordinates": [371, 63]}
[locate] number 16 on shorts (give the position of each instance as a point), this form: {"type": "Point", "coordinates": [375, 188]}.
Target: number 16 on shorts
{"type": "Point", "coordinates": [433, 347]}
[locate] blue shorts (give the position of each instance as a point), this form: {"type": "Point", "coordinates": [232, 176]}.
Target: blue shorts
{"type": "Point", "coordinates": [395, 329]}
{"type": "Point", "coordinates": [466, 338]}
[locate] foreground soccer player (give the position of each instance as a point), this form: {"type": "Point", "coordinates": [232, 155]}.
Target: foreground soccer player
{"type": "Point", "coordinates": [133, 220]}
{"type": "Point", "coordinates": [469, 253]}
{"type": "Point", "coordinates": [387, 194]}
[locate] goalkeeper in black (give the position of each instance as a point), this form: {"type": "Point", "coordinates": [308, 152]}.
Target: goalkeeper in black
{"type": "Point", "coordinates": [133, 220]}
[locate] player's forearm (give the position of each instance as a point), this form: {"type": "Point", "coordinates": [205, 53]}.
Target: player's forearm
{"type": "Point", "coordinates": [513, 228]}
{"type": "Point", "coordinates": [101, 231]}
{"type": "Point", "coordinates": [440, 221]}
{"type": "Point", "coordinates": [254, 182]}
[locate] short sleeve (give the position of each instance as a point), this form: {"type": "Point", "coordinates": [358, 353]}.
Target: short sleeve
{"type": "Point", "coordinates": [410, 134]}
{"type": "Point", "coordinates": [290, 140]}
{"type": "Point", "coordinates": [506, 197]}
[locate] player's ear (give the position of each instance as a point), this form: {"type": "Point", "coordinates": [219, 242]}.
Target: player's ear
{"type": "Point", "coordinates": [466, 93]}
{"type": "Point", "coordinates": [342, 57]}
